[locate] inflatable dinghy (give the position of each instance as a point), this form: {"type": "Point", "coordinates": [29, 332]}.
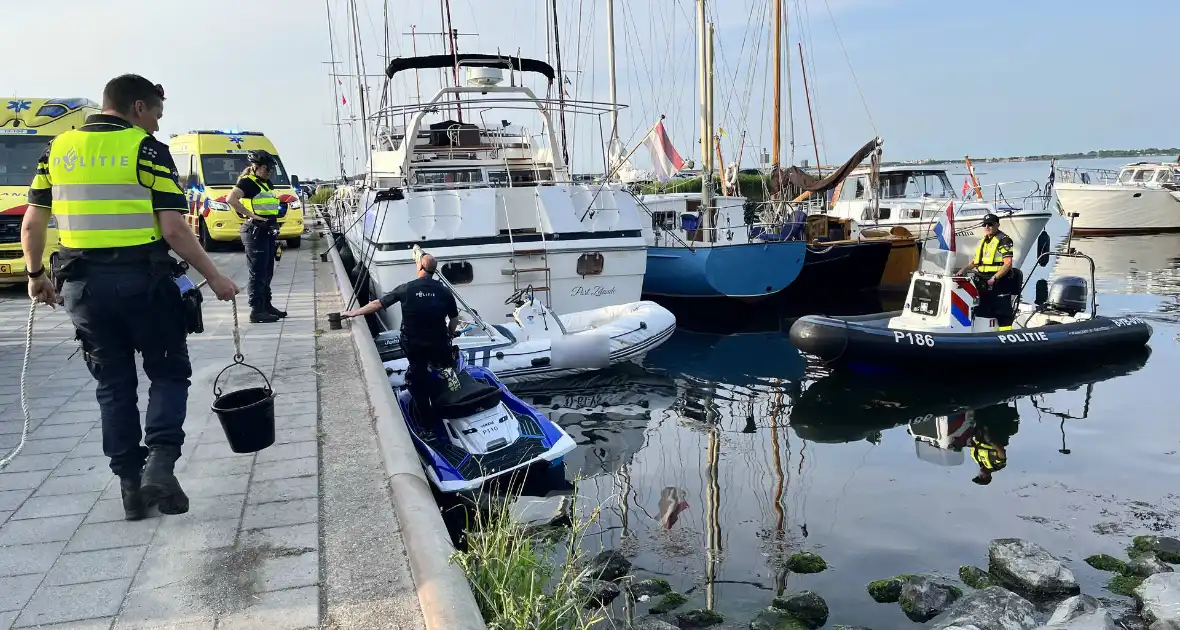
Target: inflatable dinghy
{"type": "Point", "coordinates": [939, 331]}
{"type": "Point", "coordinates": [539, 344]}
{"type": "Point", "coordinates": [489, 431]}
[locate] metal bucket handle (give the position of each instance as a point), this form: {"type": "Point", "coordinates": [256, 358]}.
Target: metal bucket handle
{"type": "Point", "coordinates": [238, 358]}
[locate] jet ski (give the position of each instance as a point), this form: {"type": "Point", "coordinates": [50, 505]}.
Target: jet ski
{"type": "Point", "coordinates": [940, 326]}
{"type": "Point", "coordinates": [489, 432]}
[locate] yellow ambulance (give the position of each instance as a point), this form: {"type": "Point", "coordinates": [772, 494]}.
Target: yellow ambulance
{"type": "Point", "coordinates": [209, 163]}
{"type": "Point", "coordinates": [26, 127]}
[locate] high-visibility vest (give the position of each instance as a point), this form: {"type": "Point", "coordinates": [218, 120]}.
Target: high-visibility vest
{"type": "Point", "coordinates": [98, 199]}
{"type": "Point", "coordinates": [265, 203]}
{"type": "Point", "coordinates": [987, 254]}
{"type": "Point", "coordinates": [988, 457]}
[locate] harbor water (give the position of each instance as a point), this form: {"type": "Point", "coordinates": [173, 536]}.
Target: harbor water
{"type": "Point", "coordinates": [723, 455]}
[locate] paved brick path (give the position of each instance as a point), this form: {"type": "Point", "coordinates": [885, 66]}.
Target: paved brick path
{"type": "Point", "coordinates": [247, 555]}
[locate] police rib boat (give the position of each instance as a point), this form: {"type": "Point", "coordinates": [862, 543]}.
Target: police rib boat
{"type": "Point", "coordinates": [940, 327]}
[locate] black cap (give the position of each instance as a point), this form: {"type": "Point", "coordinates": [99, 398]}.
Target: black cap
{"type": "Point", "coordinates": [991, 219]}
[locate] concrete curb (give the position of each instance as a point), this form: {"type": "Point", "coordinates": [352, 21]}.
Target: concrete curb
{"type": "Point", "coordinates": [443, 591]}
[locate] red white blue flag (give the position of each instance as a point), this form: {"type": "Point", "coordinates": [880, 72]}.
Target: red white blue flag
{"type": "Point", "coordinates": [944, 230]}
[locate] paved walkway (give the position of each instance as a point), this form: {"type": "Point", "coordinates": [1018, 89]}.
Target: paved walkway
{"type": "Point", "coordinates": [248, 553]}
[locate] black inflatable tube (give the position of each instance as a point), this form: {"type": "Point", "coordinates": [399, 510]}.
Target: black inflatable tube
{"type": "Point", "coordinates": [863, 343]}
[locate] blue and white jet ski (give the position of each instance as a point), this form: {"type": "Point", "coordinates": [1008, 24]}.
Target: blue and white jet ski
{"type": "Point", "coordinates": [489, 431]}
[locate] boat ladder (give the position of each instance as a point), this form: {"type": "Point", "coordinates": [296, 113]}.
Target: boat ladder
{"type": "Point", "coordinates": [530, 261]}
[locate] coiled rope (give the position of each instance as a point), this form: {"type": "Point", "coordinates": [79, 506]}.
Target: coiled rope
{"type": "Point", "coordinates": [24, 399]}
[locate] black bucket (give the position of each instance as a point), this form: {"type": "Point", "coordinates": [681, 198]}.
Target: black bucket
{"type": "Point", "coordinates": [247, 415]}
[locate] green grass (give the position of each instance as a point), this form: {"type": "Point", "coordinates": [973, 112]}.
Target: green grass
{"type": "Point", "coordinates": [1103, 562]}
{"type": "Point", "coordinates": [322, 195]}
{"type": "Point", "coordinates": [974, 577]}
{"type": "Point", "coordinates": [523, 583]}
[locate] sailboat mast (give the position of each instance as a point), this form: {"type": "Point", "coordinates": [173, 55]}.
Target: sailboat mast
{"type": "Point", "coordinates": [335, 92]}
{"type": "Point", "coordinates": [807, 93]}
{"type": "Point", "coordinates": [776, 142]}
{"type": "Point", "coordinates": [565, 153]}
{"type": "Point", "coordinates": [610, 62]}
{"type": "Point", "coordinates": [706, 124]}
{"type": "Point", "coordinates": [790, 96]}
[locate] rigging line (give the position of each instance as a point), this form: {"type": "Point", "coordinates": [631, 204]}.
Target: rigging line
{"type": "Point", "coordinates": [647, 104]}
{"type": "Point", "coordinates": [850, 70]}
{"type": "Point", "coordinates": [335, 92]}
{"type": "Point", "coordinates": [821, 142]}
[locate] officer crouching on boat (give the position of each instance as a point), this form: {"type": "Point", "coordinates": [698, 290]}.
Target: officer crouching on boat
{"type": "Point", "coordinates": [993, 261]}
{"type": "Point", "coordinates": [426, 334]}
{"type": "Point", "coordinates": [112, 188]}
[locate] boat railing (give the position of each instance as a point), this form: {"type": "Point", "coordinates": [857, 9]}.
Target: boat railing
{"type": "Point", "coordinates": [1025, 194]}
{"type": "Point", "coordinates": [1097, 176]}
{"type": "Point", "coordinates": [491, 101]}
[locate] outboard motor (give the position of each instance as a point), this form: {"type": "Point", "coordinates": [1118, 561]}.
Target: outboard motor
{"type": "Point", "coordinates": [1069, 295]}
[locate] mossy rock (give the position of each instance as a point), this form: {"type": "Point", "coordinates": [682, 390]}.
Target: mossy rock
{"type": "Point", "coordinates": [887, 591]}
{"type": "Point", "coordinates": [651, 587]}
{"type": "Point", "coordinates": [1124, 584]}
{"type": "Point", "coordinates": [1103, 562]}
{"type": "Point", "coordinates": [1166, 549]}
{"type": "Point", "coordinates": [771, 618]}
{"type": "Point", "coordinates": [806, 562]}
{"type": "Point", "coordinates": [668, 603]}
{"type": "Point", "coordinates": [700, 618]}
{"type": "Point", "coordinates": [975, 577]}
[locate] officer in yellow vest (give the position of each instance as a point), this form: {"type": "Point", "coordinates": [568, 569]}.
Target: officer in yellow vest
{"type": "Point", "coordinates": [255, 200]}
{"type": "Point", "coordinates": [993, 260]}
{"type": "Point", "coordinates": [995, 426]}
{"type": "Point", "coordinates": [112, 188]}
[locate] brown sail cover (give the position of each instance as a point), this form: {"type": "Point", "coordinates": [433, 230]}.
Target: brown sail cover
{"type": "Point", "coordinates": [839, 174]}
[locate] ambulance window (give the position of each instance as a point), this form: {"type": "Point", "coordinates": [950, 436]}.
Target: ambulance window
{"type": "Point", "coordinates": [183, 167]}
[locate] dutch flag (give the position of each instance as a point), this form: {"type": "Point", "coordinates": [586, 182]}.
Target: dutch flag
{"type": "Point", "coordinates": [944, 230]}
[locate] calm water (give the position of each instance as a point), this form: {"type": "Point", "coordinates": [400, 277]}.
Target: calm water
{"type": "Point", "coordinates": [725, 454]}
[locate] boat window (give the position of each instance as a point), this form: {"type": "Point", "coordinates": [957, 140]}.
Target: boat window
{"type": "Point", "coordinates": [1163, 176]}
{"type": "Point", "coordinates": [522, 177]}
{"type": "Point", "coordinates": [860, 188]}
{"type": "Point", "coordinates": [915, 185]}
{"type": "Point", "coordinates": [1125, 176]}
{"type": "Point", "coordinates": [449, 176]}
{"type": "Point", "coordinates": [1143, 175]}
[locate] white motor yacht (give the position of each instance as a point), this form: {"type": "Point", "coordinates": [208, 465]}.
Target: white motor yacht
{"type": "Point", "coordinates": [491, 200]}
{"type": "Point", "coordinates": [1144, 198]}
{"type": "Point", "coordinates": [915, 197]}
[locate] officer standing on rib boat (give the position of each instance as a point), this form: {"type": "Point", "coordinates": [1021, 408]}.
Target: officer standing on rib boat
{"type": "Point", "coordinates": [993, 261]}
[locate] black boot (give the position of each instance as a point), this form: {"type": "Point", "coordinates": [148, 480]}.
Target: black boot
{"type": "Point", "coordinates": [276, 312]}
{"type": "Point", "coordinates": [263, 317]}
{"type": "Point", "coordinates": [160, 485]}
{"type": "Point", "coordinates": [134, 507]}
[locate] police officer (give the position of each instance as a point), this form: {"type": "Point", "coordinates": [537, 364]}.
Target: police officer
{"type": "Point", "coordinates": [255, 200]}
{"type": "Point", "coordinates": [426, 334]}
{"type": "Point", "coordinates": [993, 260]}
{"type": "Point", "coordinates": [113, 190]}
{"type": "Point", "coordinates": [995, 426]}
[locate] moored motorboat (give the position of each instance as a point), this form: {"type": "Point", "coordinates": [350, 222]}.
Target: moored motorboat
{"type": "Point", "coordinates": [1144, 198]}
{"type": "Point", "coordinates": [940, 326]}
{"type": "Point", "coordinates": [539, 344]}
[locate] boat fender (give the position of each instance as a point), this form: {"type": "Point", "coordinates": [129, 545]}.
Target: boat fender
{"type": "Point", "coordinates": [584, 350]}
{"type": "Point", "coordinates": [642, 325]}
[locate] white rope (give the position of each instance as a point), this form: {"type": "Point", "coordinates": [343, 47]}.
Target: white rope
{"type": "Point", "coordinates": [237, 333]}
{"type": "Point", "coordinates": [24, 399]}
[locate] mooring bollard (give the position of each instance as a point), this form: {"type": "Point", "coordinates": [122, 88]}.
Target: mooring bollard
{"type": "Point", "coordinates": [334, 321]}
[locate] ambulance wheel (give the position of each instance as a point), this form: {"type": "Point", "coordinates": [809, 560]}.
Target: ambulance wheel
{"type": "Point", "coordinates": [207, 242]}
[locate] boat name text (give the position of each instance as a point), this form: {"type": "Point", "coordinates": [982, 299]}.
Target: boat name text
{"type": "Point", "coordinates": [595, 291]}
{"type": "Point", "coordinates": [1128, 321]}
{"type": "Point", "coordinates": [916, 340]}
{"type": "Point", "coordinates": [1023, 337]}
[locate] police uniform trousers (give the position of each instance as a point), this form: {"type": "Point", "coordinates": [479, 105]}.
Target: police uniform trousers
{"type": "Point", "coordinates": [997, 301]}
{"type": "Point", "coordinates": [258, 239]}
{"type": "Point", "coordinates": [421, 355]}
{"type": "Point", "coordinates": [118, 311]}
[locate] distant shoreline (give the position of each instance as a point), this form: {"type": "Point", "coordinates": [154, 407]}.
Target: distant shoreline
{"type": "Point", "coordinates": [1090, 155]}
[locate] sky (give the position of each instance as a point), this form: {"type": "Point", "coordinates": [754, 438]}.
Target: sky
{"type": "Point", "coordinates": [934, 79]}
